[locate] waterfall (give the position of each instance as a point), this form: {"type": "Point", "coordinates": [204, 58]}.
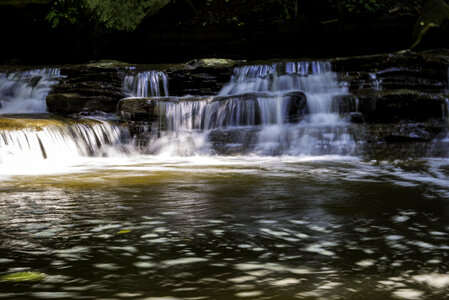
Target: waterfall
{"type": "Point", "coordinates": [146, 84]}
{"type": "Point", "coordinates": [26, 140]}
{"type": "Point", "coordinates": [259, 111]}
{"type": "Point", "coordinates": [210, 113]}
{"type": "Point", "coordinates": [26, 91]}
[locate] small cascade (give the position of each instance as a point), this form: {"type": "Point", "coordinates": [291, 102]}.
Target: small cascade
{"type": "Point", "coordinates": [146, 84]}
{"type": "Point", "coordinates": [312, 77]}
{"type": "Point", "coordinates": [227, 112]}
{"type": "Point", "coordinates": [25, 92]}
{"type": "Point", "coordinates": [376, 82]}
{"type": "Point", "coordinates": [32, 140]}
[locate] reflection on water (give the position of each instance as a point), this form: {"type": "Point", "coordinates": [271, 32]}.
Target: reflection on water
{"type": "Point", "coordinates": [228, 228]}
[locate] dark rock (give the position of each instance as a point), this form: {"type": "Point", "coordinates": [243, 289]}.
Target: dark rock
{"type": "Point", "coordinates": [197, 81]}
{"type": "Point", "coordinates": [91, 88]}
{"type": "Point", "coordinates": [364, 71]}
{"type": "Point", "coordinates": [70, 103]}
{"type": "Point", "coordinates": [396, 105]}
{"type": "Point", "coordinates": [296, 107]}
{"type": "Point", "coordinates": [346, 103]}
{"type": "Point", "coordinates": [356, 118]}
{"type": "Point", "coordinates": [399, 141]}
{"type": "Point", "coordinates": [431, 29]}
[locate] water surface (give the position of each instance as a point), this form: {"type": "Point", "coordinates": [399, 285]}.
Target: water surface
{"type": "Point", "coordinates": [228, 227]}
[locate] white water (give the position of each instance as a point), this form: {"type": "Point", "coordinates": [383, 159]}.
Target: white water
{"type": "Point", "coordinates": [257, 124]}
{"type": "Point", "coordinates": [60, 144]}
{"type": "Point", "coordinates": [254, 110]}
{"type": "Point", "coordinates": [146, 84]}
{"type": "Point", "coordinates": [26, 92]}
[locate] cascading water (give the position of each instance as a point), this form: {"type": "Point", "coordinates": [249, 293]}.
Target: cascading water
{"type": "Point", "coordinates": [30, 140]}
{"type": "Point", "coordinates": [146, 84]}
{"type": "Point", "coordinates": [27, 139]}
{"type": "Point", "coordinates": [277, 109]}
{"type": "Point", "coordinates": [259, 112]}
{"type": "Point", "coordinates": [25, 92]}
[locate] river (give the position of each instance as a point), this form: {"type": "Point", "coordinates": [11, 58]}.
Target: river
{"type": "Point", "coordinates": [297, 214]}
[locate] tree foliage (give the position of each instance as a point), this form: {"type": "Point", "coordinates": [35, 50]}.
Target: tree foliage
{"type": "Point", "coordinates": [113, 14]}
{"type": "Point", "coordinates": [124, 14]}
{"type": "Point", "coordinates": [357, 6]}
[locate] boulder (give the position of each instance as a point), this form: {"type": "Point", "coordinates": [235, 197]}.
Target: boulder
{"type": "Point", "coordinates": [431, 29]}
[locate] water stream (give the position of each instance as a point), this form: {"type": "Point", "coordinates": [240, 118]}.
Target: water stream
{"type": "Point", "coordinates": [25, 91]}
{"type": "Point", "coordinates": [230, 198]}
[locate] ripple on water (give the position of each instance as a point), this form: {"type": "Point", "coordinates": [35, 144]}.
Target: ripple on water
{"type": "Point", "coordinates": [249, 294]}
{"type": "Point", "coordinates": [438, 281]}
{"type": "Point", "coordinates": [410, 294]}
{"type": "Point", "coordinates": [183, 261]}
{"type": "Point", "coordinates": [55, 295]}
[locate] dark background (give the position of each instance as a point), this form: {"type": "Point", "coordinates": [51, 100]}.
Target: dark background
{"type": "Point", "coordinates": [227, 29]}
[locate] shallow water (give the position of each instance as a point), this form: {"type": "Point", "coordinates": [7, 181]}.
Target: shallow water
{"type": "Point", "coordinates": [251, 227]}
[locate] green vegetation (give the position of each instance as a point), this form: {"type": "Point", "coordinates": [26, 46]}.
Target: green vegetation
{"type": "Point", "coordinates": [67, 12]}
{"type": "Point", "coordinates": [126, 15]}
{"type": "Point", "coordinates": [23, 276]}
{"type": "Point", "coordinates": [358, 6]}
{"type": "Point", "coordinates": [112, 14]}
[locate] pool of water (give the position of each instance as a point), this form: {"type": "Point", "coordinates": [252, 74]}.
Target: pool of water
{"type": "Point", "coordinates": [249, 227]}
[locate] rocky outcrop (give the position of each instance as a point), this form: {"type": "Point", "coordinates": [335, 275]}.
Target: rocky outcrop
{"type": "Point", "coordinates": [395, 105]}
{"type": "Point", "coordinates": [394, 87]}
{"type": "Point", "coordinates": [88, 88]}
{"type": "Point", "coordinates": [431, 29]}
{"type": "Point", "coordinates": [73, 103]}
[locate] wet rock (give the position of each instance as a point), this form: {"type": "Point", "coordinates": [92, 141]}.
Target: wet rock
{"type": "Point", "coordinates": [425, 70]}
{"type": "Point", "coordinates": [197, 81]}
{"type": "Point", "coordinates": [399, 140]}
{"type": "Point", "coordinates": [356, 118]}
{"type": "Point", "coordinates": [87, 88]}
{"type": "Point", "coordinates": [69, 103]}
{"type": "Point", "coordinates": [296, 107]}
{"type": "Point", "coordinates": [346, 103]}
{"type": "Point", "coordinates": [396, 105]}
{"type": "Point", "coordinates": [214, 63]}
